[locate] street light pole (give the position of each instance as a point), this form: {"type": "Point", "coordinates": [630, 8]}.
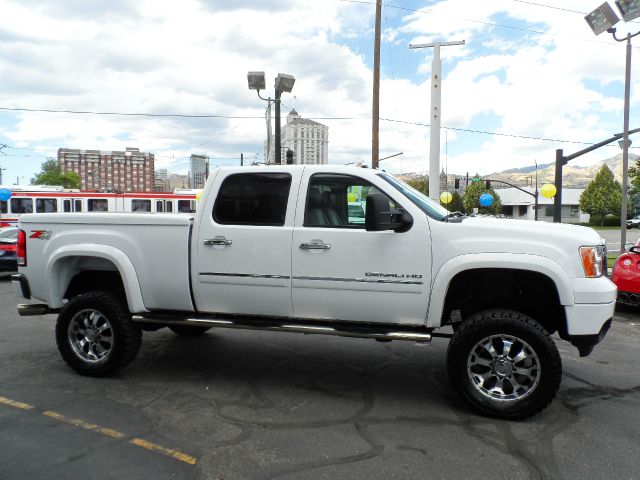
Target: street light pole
{"type": "Point", "coordinates": [277, 145]}
{"type": "Point", "coordinates": [436, 115]}
{"type": "Point", "coordinates": [625, 136]}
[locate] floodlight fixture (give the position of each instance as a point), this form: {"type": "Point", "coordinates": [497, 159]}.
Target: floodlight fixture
{"type": "Point", "coordinates": [629, 9]}
{"type": "Point", "coordinates": [284, 82]}
{"type": "Point", "coordinates": [602, 18]}
{"type": "Point", "coordinates": [256, 81]}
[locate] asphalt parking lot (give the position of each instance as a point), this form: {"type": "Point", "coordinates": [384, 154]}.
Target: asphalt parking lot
{"type": "Point", "coordinates": [241, 405]}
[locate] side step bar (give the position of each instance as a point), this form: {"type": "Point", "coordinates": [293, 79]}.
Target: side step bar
{"type": "Point", "coordinates": [380, 332]}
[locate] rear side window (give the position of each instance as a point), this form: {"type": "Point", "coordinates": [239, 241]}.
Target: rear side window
{"type": "Point", "coordinates": [253, 199]}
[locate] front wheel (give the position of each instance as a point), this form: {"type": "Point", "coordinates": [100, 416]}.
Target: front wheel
{"type": "Point", "coordinates": [504, 363]}
{"type": "Point", "coordinates": [95, 334]}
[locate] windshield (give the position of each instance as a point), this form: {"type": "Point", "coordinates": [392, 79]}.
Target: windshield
{"type": "Point", "coordinates": [424, 203]}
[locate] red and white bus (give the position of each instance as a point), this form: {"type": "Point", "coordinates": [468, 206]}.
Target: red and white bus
{"type": "Point", "coordinates": [51, 199]}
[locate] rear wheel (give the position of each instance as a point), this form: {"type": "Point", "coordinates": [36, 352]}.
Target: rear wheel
{"type": "Point", "coordinates": [504, 363]}
{"type": "Point", "coordinates": [188, 330]}
{"type": "Point", "coordinates": [95, 334]}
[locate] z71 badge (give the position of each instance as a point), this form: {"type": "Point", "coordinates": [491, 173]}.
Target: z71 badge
{"type": "Point", "coordinates": [41, 234]}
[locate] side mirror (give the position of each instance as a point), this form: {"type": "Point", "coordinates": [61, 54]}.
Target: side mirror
{"type": "Point", "coordinates": [379, 216]}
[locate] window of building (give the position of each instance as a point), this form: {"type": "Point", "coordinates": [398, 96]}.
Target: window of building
{"type": "Point", "coordinates": [338, 201]}
{"type": "Point", "coordinates": [253, 199]}
{"type": "Point", "coordinates": [97, 205]}
{"type": "Point", "coordinates": [21, 205]}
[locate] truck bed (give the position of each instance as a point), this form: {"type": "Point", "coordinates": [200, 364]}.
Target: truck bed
{"type": "Point", "coordinates": [157, 245]}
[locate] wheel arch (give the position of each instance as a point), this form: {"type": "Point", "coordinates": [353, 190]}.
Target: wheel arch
{"type": "Point", "coordinates": [69, 263]}
{"type": "Point", "coordinates": [539, 274]}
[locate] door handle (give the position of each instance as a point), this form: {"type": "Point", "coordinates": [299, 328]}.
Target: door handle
{"type": "Point", "coordinates": [315, 246]}
{"type": "Point", "coordinates": [219, 241]}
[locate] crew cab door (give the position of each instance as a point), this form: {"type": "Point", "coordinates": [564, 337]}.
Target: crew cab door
{"type": "Point", "coordinates": [242, 261]}
{"type": "Point", "coordinates": [342, 272]}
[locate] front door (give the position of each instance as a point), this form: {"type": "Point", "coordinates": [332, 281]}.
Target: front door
{"type": "Point", "coordinates": [242, 256]}
{"type": "Point", "coordinates": [342, 272]}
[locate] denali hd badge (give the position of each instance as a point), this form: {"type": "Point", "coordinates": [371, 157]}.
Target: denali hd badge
{"type": "Point", "coordinates": [392, 275]}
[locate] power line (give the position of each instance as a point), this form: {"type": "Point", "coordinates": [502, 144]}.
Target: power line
{"type": "Point", "coordinates": [550, 6]}
{"type": "Point", "coordinates": [127, 114]}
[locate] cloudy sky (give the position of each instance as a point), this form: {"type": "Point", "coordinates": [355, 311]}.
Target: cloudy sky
{"type": "Point", "coordinates": [531, 78]}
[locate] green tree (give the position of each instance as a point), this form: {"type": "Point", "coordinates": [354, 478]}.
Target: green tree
{"type": "Point", "coordinates": [456, 204]}
{"type": "Point", "coordinates": [51, 174]}
{"type": "Point", "coordinates": [634, 188]}
{"type": "Point", "coordinates": [472, 199]}
{"type": "Point", "coordinates": [420, 183]}
{"type": "Point", "coordinates": [602, 196]}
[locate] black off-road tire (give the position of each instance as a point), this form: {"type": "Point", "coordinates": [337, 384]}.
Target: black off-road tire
{"type": "Point", "coordinates": [188, 330]}
{"type": "Point", "coordinates": [97, 324]}
{"type": "Point", "coordinates": [532, 391]}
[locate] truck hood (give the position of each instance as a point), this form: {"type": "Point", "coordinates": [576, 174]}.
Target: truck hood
{"type": "Point", "coordinates": [558, 242]}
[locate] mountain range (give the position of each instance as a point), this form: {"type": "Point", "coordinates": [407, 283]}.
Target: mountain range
{"type": "Point", "coordinates": [573, 176]}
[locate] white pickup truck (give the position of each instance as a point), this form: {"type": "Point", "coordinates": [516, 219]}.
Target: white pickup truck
{"type": "Point", "coordinates": [274, 248]}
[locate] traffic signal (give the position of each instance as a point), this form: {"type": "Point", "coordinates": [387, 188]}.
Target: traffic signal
{"type": "Point", "coordinates": [289, 157]}
{"type": "Point", "coordinates": [488, 184]}
{"type": "Point", "coordinates": [456, 183]}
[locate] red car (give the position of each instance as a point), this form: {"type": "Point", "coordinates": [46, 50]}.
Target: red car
{"type": "Point", "coordinates": [626, 276]}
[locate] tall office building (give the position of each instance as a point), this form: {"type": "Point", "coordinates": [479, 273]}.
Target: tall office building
{"type": "Point", "coordinates": [198, 170]}
{"type": "Point", "coordinates": [103, 170]}
{"type": "Point", "coordinates": [309, 141]}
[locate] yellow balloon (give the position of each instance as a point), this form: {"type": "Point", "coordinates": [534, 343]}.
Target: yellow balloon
{"type": "Point", "coordinates": [446, 197]}
{"type": "Point", "coordinates": [198, 195]}
{"type": "Point", "coordinates": [548, 190]}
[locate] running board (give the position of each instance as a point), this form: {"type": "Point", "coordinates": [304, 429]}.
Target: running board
{"type": "Point", "coordinates": [380, 332]}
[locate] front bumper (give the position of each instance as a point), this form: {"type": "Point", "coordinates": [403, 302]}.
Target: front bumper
{"type": "Point", "coordinates": [589, 319]}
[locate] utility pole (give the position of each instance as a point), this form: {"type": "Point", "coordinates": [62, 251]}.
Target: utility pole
{"type": "Point", "coordinates": [242, 159]}
{"type": "Point", "coordinates": [375, 115]}
{"type": "Point", "coordinates": [1, 170]}
{"type": "Point", "coordinates": [436, 115]}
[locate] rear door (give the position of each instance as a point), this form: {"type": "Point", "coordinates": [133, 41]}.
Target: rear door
{"type": "Point", "coordinates": [242, 255]}
{"type": "Point", "coordinates": [342, 272]}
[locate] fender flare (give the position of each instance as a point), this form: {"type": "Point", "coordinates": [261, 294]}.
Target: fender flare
{"type": "Point", "coordinates": [55, 277]}
{"type": "Point", "coordinates": [511, 261]}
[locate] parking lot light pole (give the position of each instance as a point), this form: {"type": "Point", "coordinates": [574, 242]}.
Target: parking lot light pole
{"type": "Point", "coordinates": [600, 20]}
{"type": "Point", "coordinates": [283, 84]}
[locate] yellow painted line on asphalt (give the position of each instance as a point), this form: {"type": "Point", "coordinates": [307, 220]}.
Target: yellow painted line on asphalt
{"type": "Point", "coordinates": [183, 457]}
{"type": "Point", "coordinates": [13, 403]}
{"type": "Point", "coordinates": [82, 424]}
{"type": "Point", "coordinates": [154, 447]}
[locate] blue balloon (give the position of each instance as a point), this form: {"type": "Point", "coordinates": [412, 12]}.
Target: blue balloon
{"type": "Point", "coordinates": [486, 200]}
{"type": "Point", "coordinates": [5, 194]}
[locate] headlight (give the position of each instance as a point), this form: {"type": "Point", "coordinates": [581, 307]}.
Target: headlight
{"type": "Point", "coordinates": [594, 261]}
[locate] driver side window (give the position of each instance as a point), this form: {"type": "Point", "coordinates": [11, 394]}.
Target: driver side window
{"type": "Point", "coordinates": [338, 201]}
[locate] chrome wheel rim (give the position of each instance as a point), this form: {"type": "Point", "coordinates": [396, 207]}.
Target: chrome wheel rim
{"type": "Point", "coordinates": [90, 335]}
{"type": "Point", "coordinates": [503, 368]}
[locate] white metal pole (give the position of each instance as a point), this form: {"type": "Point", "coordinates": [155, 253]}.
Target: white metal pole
{"type": "Point", "coordinates": [436, 115]}
{"type": "Point", "coordinates": [434, 142]}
